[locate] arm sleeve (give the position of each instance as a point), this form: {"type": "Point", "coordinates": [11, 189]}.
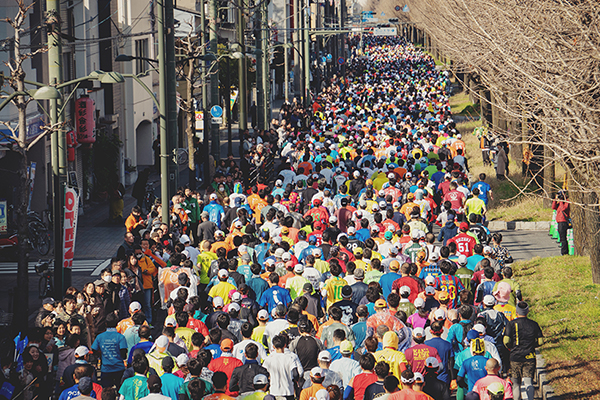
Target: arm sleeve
{"type": "Point", "coordinates": [233, 382]}
{"type": "Point", "coordinates": [349, 392]}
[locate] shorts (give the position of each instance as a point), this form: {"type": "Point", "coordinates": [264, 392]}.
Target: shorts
{"type": "Point", "coordinates": [522, 369]}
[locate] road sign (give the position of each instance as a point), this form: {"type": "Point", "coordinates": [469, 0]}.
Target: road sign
{"type": "Point", "coordinates": [323, 59]}
{"type": "Point", "coordinates": [384, 32]}
{"type": "Point", "coordinates": [216, 120]}
{"type": "Point", "coordinates": [216, 111]}
{"type": "Point", "coordinates": [341, 61]}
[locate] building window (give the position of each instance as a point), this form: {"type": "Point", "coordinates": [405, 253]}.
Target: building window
{"type": "Point", "coordinates": [141, 50]}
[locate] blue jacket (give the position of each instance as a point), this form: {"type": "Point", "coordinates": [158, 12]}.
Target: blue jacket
{"type": "Point", "coordinates": [216, 212]}
{"type": "Point", "coordinates": [448, 231]}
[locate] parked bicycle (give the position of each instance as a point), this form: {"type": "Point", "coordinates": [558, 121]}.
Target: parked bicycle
{"type": "Point", "coordinates": [39, 236]}
{"type": "Point", "coordinates": [46, 272]}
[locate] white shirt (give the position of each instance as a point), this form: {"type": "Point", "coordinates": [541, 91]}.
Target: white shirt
{"type": "Point", "coordinates": [280, 366]}
{"type": "Point", "coordinates": [194, 253]}
{"type": "Point", "coordinates": [239, 350]}
{"type": "Point", "coordinates": [347, 368]}
{"type": "Point", "coordinates": [154, 396]}
{"type": "Point", "coordinates": [273, 328]}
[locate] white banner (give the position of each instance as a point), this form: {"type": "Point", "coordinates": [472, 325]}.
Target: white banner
{"type": "Point", "coordinates": [384, 32]}
{"type": "Point", "coordinates": [70, 226]}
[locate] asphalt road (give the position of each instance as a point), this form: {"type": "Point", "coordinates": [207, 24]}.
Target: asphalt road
{"type": "Point", "coordinates": [524, 245]}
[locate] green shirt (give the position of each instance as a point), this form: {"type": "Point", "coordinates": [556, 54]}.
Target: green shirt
{"type": "Point", "coordinates": [135, 388]}
{"type": "Point", "coordinates": [474, 206]}
{"type": "Point", "coordinates": [191, 204]}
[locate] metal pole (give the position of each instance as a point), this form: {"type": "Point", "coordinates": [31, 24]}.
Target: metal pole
{"type": "Point", "coordinates": [286, 72]}
{"type": "Point", "coordinates": [206, 127]}
{"type": "Point", "coordinates": [62, 276]}
{"type": "Point", "coordinates": [243, 89]}
{"type": "Point", "coordinates": [162, 92]}
{"type": "Point", "coordinates": [171, 81]}
{"type": "Point", "coordinates": [296, 42]}
{"type": "Point", "coordinates": [307, 55]}
{"type": "Point", "coordinates": [266, 36]}
{"type": "Point", "coordinates": [228, 111]}
{"type": "Point", "coordinates": [214, 76]}
{"type": "Point", "coordinates": [258, 33]}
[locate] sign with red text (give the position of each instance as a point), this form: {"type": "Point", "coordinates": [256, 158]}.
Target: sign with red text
{"type": "Point", "coordinates": [70, 226]}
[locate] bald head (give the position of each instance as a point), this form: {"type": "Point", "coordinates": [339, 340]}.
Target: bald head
{"type": "Point", "coordinates": [492, 366]}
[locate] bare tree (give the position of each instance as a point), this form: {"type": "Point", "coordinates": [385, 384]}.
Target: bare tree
{"type": "Point", "coordinates": [540, 62]}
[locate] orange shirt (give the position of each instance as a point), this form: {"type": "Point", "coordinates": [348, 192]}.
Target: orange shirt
{"type": "Point", "coordinates": [132, 222]}
{"type": "Point", "coordinates": [311, 392]}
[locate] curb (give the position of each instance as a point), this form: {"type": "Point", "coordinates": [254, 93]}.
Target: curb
{"type": "Point", "coordinates": [546, 391]}
{"type": "Point", "coordinates": [519, 226]}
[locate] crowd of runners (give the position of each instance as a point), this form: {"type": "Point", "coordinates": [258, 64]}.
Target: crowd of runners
{"type": "Point", "coordinates": [327, 282]}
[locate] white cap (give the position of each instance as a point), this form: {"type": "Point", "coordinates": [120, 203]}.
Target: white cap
{"type": "Point", "coordinates": [299, 268]}
{"type": "Point", "coordinates": [234, 307]}
{"type": "Point", "coordinates": [170, 321]}
{"type": "Point", "coordinates": [236, 296]}
{"type": "Point", "coordinates": [429, 280]}
{"type": "Point", "coordinates": [162, 341]}
{"type": "Point", "coordinates": [429, 290]}
{"type": "Point", "coordinates": [135, 306]}
{"type": "Point", "coordinates": [462, 259]}
{"type": "Point", "coordinates": [242, 249]}
{"type": "Point", "coordinates": [81, 351]}
{"type": "Point", "coordinates": [279, 252]}
{"type": "Point", "coordinates": [286, 256]}
{"type": "Point", "coordinates": [223, 273]}
{"type": "Point", "coordinates": [439, 314]}
{"type": "Point", "coordinates": [322, 394]}
{"type": "Point", "coordinates": [356, 174]}
{"type": "Point", "coordinates": [418, 377]}
{"type": "Point", "coordinates": [186, 254]}
{"type": "Point", "coordinates": [374, 228]}
{"type": "Point", "coordinates": [316, 371]}
{"type": "Point", "coordinates": [184, 239]}
{"type": "Point", "coordinates": [434, 256]}
{"type": "Point", "coordinates": [419, 302]}
{"type": "Point", "coordinates": [394, 250]}
{"type": "Point", "coordinates": [277, 239]}
{"type": "Point", "coordinates": [381, 193]}
{"type": "Point", "coordinates": [332, 219]}
{"type": "Point", "coordinates": [404, 290]}
{"type": "Point", "coordinates": [415, 234]}
{"type": "Point", "coordinates": [324, 356]}
{"type": "Point", "coordinates": [278, 182]}
{"type": "Point", "coordinates": [213, 196]}
{"type": "Point", "coordinates": [418, 332]}
{"type": "Point", "coordinates": [489, 300]}
{"type": "Point", "coordinates": [351, 230]}
{"type": "Point", "coordinates": [391, 175]}
{"type": "Point", "coordinates": [260, 379]}
{"type": "Point", "coordinates": [382, 204]}
{"type": "Point", "coordinates": [182, 360]}
{"type": "Point", "coordinates": [487, 249]}
{"type": "Point", "coordinates": [375, 207]}
{"type": "Point", "coordinates": [432, 362]}
{"type": "Point", "coordinates": [218, 302]}
{"type": "Point", "coordinates": [317, 252]}
{"type": "Point", "coordinates": [479, 328]}
{"type": "Point", "coordinates": [238, 224]}
{"type": "Point", "coordinates": [263, 314]}
{"type": "Point", "coordinates": [219, 233]}
{"type": "Point", "coordinates": [396, 204]}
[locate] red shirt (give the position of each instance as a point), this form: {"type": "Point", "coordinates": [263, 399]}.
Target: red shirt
{"type": "Point", "coordinates": [417, 355]}
{"type": "Point", "coordinates": [227, 365]}
{"type": "Point", "coordinates": [464, 244]}
{"type": "Point", "coordinates": [361, 381]}
{"type": "Point", "coordinates": [455, 198]}
{"type": "Point", "coordinates": [411, 283]}
{"type": "Point", "coordinates": [198, 326]}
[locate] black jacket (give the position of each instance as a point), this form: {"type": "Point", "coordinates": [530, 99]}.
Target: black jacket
{"type": "Point", "coordinates": [242, 377]}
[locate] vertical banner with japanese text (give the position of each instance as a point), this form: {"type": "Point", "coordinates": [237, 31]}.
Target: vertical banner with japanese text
{"type": "Point", "coordinates": [70, 226]}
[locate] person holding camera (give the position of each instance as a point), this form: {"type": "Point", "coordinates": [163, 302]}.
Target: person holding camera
{"type": "Point", "coordinates": [563, 219]}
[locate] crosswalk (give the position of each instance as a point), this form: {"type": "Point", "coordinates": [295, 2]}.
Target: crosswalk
{"type": "Point", "coordinates": [92, 266]}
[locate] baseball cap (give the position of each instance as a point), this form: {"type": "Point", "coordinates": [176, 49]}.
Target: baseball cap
{"type": "Point", "coordinates": [170, 321]}
{"type": "Point", "coordinates": [49, 300]}
{"type": "Point", "coordinates": [99, 282]}
{"type": "Point", "coordinates": [213, 196]}
{"type": "Point", "coordinates": [393, 250]}
{"type": "Point", "coordinates": [388, 235]}
{"type": "Point", "coordinates": [472, 334]}
{"type": "Point", "coordinates": [333, 219]}
{"type": "Point", "coordinates": [419, 302]}
{"type": "Point", "coordinates": [419, 377]}
{"type": "Point", "coordinates": [479, 328]}
{"type": "Point", "coordinates": [184, 239]}
{"type": "Point", "coordinates": [312, 239]}
{"type": "Point", "coordinates": [286, 256]}
{"type": "Point", "coordinates": [85, 385]}
{"type": "Point", "coordinates": [182, 359]}
{"type": "Point", "coordinates": [434, 256]}
{"type": "Point", "coordinates": [410, 196]}
{"type": "Point", "coordinates": [81, 351]}
{"type": "Point", "coordinates": [415, 234]}
{"type": "Point", "coordinates": [418, 332]}
{"type": "Point", "coordinates": [236, 296]}
{"type": "Point", "coordinates": [346, 347]}
{"type": "Point", "coordinates": [223, 273]}
{"type": "Point", "coordinates": [443, 295]}
{"type": "Point", "coordinates": [263, 315]}
{"type": "Point", "coordinates": [324, 356]}
{"type": "Point", "coordinates": [380, 303]}
{"type": "Point", "coordinates": [429, 280]}
{"type": "Point", "coordinates": [462, 259]}
{"type": "Point", "coordinates": [404, 290]}
{"type": "Point", "coordinates": [394, 265]}
{"type": "Point", "coordinates": [316, 372]}
{"type": "Point", "coordinates": [135, 306]}
{"type": "Point", "coordinates": [204, 214]}
{"type": "Point", "coordinates": [432, 362]}
{"type": "Point", "coordinates": [308, 287]}
{"type": "Point", "coordinates": [238, 224]}
{"type": "Point", "coordinates": [396, 204]}
{"type": "Point", "coordinates": [299, 268]}
{"type": "Point", "coordinates": [374, 228]}
{"type": "Point", "coordinates": [495, 388]}
{"type": "Point", "coordinates": [463, 226]}
{"type": "Point", "coordinates": [162, 341]}
{"type": "Point", "coordinates": [356, 174]}
{"type": "Point", "coordinates": [351, 230]}
{"type": "Point", "coordinates": [450, 217]}
{"type": "Point", "coordinates": [439, 314]}
{"type": "Point", "coordinates": [278, 182]}
{"type": "Point", "coordinates": [346, 291]}
{"type": "Point", "coordinates": [218, 302]}
{"type": "Point", "coordinates": [234, 307]}
{"type": "Point", "coordinates": [317, 252]}
{"type": "Point", "coordinates": [279, 252]}
{"type": "Point", "coordinates": [390, 339]}
{"type": "Point", "coordinates": [219, 233]}
{"type": "Point", "coordinates": [375, 207]}
{"type": "Point", "coordinates": [359, 273]}
{"type": "Point", "coordinates": [429, 290]}
{"type": "Point", "coordinates": [226, 344]}
{"type": "Point", "coordinates": [489, 300]}
{"type": "Point", "coordinates": [260, 379]}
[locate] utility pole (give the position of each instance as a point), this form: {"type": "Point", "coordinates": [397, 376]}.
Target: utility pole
{"type": "Point", "coordinates": [214, 76]}
{"type": "Point", "coordinates": [260, 55]}
{"type": "Point", "coordinates": [306, 27]}
{"type": "Point", "coordinates": [296, 41]}
{"type": "Point", "coordinates": [228, 109]}
{"type": "Point", "coordinates": [172, 128]}
{"type": "Point", "coordinates": [205, 113]}
{"type": "Point", "coordinates": [266, 36]}
{"type": "Point", "coordinates": [58, 145]}
{"type": "Point", "coordinates": [286, 72]}
{"type": "Point", "coordinates": [162, 94]}
{"type": "Point", "coordinates": [243, 84]}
